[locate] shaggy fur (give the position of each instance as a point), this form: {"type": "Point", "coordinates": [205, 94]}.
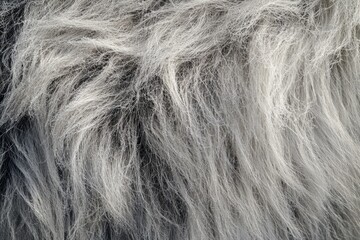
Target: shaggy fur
{"type": "Point", "coordinates": [182, 119]}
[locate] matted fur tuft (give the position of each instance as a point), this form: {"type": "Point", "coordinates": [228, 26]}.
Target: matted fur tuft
{"type": "Point", "coordinates": [194, 119]}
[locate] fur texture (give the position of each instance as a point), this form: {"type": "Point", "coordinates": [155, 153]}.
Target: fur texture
{"type": "Point", "coordinates": [193, 119]}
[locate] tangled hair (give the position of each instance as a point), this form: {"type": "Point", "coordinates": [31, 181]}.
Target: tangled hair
{"type": "Point", "coordinates": [180, 119]}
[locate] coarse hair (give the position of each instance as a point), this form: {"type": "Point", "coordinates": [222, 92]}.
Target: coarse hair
{"type": "Point", "coordinates": [180, 119]}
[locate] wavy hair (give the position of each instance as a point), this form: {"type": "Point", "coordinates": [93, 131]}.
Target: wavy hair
{"type": "Point", "coordinates": [180, 119]}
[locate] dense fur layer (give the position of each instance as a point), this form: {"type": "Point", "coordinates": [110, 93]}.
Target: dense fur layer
{"type": "Point", "coordinates": [197, 119]}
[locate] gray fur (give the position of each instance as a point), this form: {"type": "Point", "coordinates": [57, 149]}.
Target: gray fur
{"type": "Point", "coordinates": [197, 119]}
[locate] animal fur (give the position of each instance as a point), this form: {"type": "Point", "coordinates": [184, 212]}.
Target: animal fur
{"type": "Point", "coordinates": [193, 119]}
